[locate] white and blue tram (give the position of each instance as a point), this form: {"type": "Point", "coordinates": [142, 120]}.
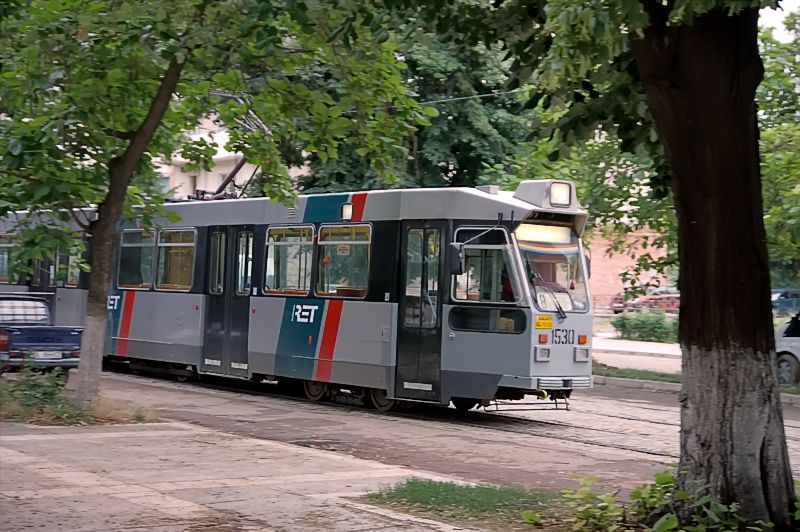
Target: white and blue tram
{"type": "Point", "coordinates": [435, 295]}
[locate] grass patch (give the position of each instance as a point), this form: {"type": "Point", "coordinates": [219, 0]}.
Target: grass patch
{"type": "Point", "coordinates": [42, 398]}
{"type": "Point", "coordinates": [604, 370]}
{"type": "Point", "coordinates": [795, 389]}
{"type": "Point", "coordinates": [641, 374]}
{"type": "Point", "coordinates": [495, 506]}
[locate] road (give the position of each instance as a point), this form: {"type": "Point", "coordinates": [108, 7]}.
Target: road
{"type": "Point", "coordinates": [621, 436]}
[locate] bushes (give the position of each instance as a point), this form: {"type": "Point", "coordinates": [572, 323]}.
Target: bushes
{"type": "Point", "coordinates": [42, 398]}
{"type": "Point", "coordinates": [646, 326]}
{"type": "Point", "coordinates": [37, 397]}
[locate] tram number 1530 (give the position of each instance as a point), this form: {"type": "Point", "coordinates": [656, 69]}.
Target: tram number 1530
{"type": "Point", "coordinates": [563, 336]}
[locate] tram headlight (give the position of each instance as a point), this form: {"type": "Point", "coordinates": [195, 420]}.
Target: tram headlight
{"type": "Point", "coordinates": [581, 354]}
{"type": "Point", "coordinates": [560, 194]}
{"type": "Point", "coordinates": [542, 354]}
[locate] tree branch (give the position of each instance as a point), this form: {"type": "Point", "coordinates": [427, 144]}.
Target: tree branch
{"type": "Point", "coordinates": [158, 108]}
{"type": "Point", "coordinates": [123, 135]}
{"type": "Point", "coordinates": [121, 169]}
{"type": "Point", "coordinates": [14, 173]}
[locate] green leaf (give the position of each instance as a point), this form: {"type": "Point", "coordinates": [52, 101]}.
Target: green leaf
{"type": "Point", "coordinates": [667, 522]}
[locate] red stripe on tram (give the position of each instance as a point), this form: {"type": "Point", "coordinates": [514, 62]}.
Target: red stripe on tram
{"type": "Point", "coordinates": [125, 323]}
{"type": "Point", "coordinates": [328, 342]}
{"type": "Point", "coordinates": [358, 200]}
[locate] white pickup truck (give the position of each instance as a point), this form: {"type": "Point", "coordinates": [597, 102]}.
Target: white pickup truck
{"type": "Point", "coordinates": [787, 345]}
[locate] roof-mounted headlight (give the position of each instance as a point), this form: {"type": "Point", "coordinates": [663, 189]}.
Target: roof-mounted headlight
{"type": "Point", "coordinates": [560, 194]}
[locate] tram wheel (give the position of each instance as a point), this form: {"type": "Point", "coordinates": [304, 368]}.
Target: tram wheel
{"type": "Point", "coordinates": [315, 391]}
{"type": "Point", "coordinates": [464, 405]}
{"type": "Point", "coordinates": [183, 377]}
{"type": "Point", "coordinates": [379, 399]}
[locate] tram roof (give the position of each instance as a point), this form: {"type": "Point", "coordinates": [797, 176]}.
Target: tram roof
{"type": "Point", "coordinates": [457, 203]}
{"type": "Point", "coordinates": [460, 203]}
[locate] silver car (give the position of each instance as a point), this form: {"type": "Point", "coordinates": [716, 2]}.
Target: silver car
{"type": "Point", "coordinates": [787, 346]}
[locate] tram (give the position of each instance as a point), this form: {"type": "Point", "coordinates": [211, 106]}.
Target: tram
{"type": "Point", "coordinates": [438, 295]}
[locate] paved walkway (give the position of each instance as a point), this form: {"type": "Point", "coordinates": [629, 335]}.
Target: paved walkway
{"type": "Point", "coordinates": [630, 347]}
{"type": "Point", "coordinates": [175, 476]}
{"type": "Point", "coordinates": [628, 354]}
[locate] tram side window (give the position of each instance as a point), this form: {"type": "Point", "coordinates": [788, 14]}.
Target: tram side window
{"type": "Point", "coordinates": [343, 260]}
{"type": "Point", "coordinates": [136, 260]}
{"type": "Point", "coordinates": [289, 251]}
{"type": "Point", "coordinates": [486, 275]}
{"type": "Point", "coordinates": [244, 263]}
{"type": "Point", "coordinates": [175, 260]}
{"type": "Point", "coordinates": [6, 245]}
{"type": "Point", "coordinates": [216, 276]}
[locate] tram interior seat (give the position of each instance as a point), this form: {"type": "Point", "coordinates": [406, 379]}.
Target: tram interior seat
{"type": "Point", "coordinates": [286, 291]}
{"type": "Point", "coordinates": [351, 292]}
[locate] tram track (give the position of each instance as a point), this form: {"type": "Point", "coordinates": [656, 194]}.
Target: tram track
{"type": "Point", "coordinates": [499, 421]}
{"type": "Point", "coordinates": [638, 438]}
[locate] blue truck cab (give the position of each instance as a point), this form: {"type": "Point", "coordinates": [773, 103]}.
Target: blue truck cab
{"type": "Point", "coordinates": [29, 338]}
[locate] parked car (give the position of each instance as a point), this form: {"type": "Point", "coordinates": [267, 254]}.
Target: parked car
{"type": "Point", "coordinates": [28, 336]}
{"type": "Point", "coordinates": [665, 302]}
{"type": "Point", "coordinates": [787, 346]}
{"type": "Point", "coordinates": [785, 301]}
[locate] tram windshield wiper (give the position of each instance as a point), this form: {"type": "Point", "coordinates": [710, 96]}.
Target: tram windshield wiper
{"type": "Point", "coordinates": [543, 285]}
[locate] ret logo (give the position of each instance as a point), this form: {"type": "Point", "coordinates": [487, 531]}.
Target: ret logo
{"type": "Point", "coordinates": [304, 313]}
{"type": "Point", "coordinates": [112, 303]}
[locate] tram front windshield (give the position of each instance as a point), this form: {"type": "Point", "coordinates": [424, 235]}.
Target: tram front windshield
{"type": "Point", "coordinates": [553, 267]}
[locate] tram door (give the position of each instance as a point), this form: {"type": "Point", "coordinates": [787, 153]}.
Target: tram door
{"type": "Point", "coordinates": [419, 337]}
{"type": "Point", "coordinates": [230, 284]}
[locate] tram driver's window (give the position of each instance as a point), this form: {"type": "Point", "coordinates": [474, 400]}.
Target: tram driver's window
{"type": "Point", "coordinates": [136, 260]}
{"type": "Point", "coordinates": [343, 260]}
{"type": "Point", "coordinates": [175, 260]}
{"type": "Point", "coordinates": [288, 270]}
{"type": "Point", "coordinates": [486, 276]}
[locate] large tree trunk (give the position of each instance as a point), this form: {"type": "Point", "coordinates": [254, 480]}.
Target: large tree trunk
{"type": "Point", "coordinates": [700, 81]}
{"type": "Point", "coordinates": [104, 237]}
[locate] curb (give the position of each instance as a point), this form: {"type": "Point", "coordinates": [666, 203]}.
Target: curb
{"type": "Point", "coordinates": [634, 353]}
{"type": "Point", "coordinates": [671, 387]}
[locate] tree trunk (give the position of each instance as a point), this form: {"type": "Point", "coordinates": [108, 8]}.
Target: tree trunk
{"type": "Point", "coordinates": [105, 238]}
{"type": "Point", "coordinates": [700, 81]}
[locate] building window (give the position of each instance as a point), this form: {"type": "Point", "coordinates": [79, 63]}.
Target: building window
{"type": "Point", "coordinates": [136, 259]}
{"type": "Point", "coordinates": [289, 252]}
{"type": "Point", "coordinates": [343, 260]}
{"type": "Point", "coordinates": [175, 260]}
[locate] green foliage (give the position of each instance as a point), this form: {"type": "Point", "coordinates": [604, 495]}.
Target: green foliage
{"type": "Point", "coordinates": [646, 326]}
{"type": "Point", "coordinates": [466, 133]}
{"type": "Point", "coordinates": [465, 501]}
{"type": "Point", "coordinates": [659, 497]}
{"type": "Point", "coordinates": [36, 396]}
{"type": "Point", "coordinates": [593, 512]}
{"type": "Point", "coordinates": [79, 78]}
{"type": "Point", "coordinates": [602, 512]}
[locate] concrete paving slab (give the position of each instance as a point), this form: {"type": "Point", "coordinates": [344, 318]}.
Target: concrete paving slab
{"type": "Point", "coordinates": [628, 361]}
{"type": "Point", "coordinates": [631, 347]}
{"type": "Point", "coordinates": [177, 476]}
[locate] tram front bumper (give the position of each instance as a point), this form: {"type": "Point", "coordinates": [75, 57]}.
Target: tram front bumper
{"type": "Point", "coordinates": [546, 383]}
